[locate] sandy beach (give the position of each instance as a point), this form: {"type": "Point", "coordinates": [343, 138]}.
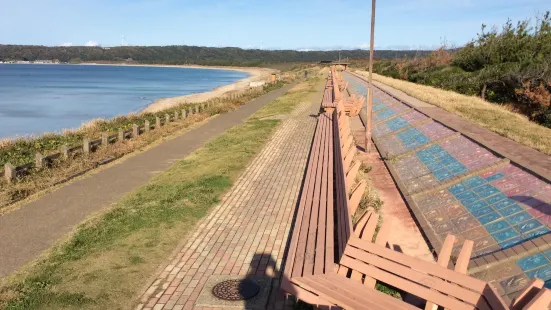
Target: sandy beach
{"type": "Point", "coordinates": [255, 74]}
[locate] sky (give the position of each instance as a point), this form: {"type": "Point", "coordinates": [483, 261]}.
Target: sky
{"type": "Point", "coordinates": [276, 24]}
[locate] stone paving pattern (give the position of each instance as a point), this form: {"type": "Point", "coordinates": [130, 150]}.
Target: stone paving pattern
{"type": "Point", "coordinates": [498, 208]}
{"type": "Point", "coordinates": [247, 233]}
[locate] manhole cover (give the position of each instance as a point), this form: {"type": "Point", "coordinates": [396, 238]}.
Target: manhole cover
{"type": "Point", "coordinates": [236, 289]}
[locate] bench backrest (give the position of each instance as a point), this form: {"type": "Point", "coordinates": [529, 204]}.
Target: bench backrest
{"type": "Point", "coordinates": [428, 281]}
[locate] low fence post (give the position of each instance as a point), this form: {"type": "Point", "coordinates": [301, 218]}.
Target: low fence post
{"type": "Point", "coordinates": [184, 114]}
{"type": "Point", "coordinates": [135, 130]}
{"type": "Point", "coordinates": [196, 109]}
{"type": "Point", "coordinates": [157, 122]}
{"type": "Point", "coordinates": [167, 119]}
{"type": "Point", "coordinates": [86, 146]}
{"type": "Point", "coordinates": [39, 160]}
{"type": "Point", "coordinates": [9, 172]}
{"type": "Point", "coordinates": [104, 139]}
{"type": "Point", "coordinates": [147, 125]}
{"type": "Point", "coordinates": [65, 151]}
{"type": "Point", "coordinates": [121, 135]}
{"type": "Point", "coordinates": [202, 107]}
{"type": "Point", "coordinates": [175, 115]}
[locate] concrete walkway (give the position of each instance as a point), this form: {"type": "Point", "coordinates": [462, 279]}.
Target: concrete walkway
{"type": "Point", "coordinates": [247, 233]}
{"type": "Point", "coordinates": [26, 232]}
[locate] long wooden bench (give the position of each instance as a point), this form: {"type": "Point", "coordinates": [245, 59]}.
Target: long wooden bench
{"type": "Point", "coordinates": [332, 262]}
{"type": "Point", "coordinates": [311, 249]}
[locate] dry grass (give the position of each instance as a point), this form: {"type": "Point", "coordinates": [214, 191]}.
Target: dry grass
{"type": "Point", "coordinates": [499, 119]}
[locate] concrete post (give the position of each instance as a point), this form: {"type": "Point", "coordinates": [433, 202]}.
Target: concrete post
{"type": "Point", "coordinates": [202, 107]}
{"type": "Point", "coordinates": [121, 134]}
{"type": "Point", "coordinates": [135, 130]}
{"type": "Point", "coordinates": [9, 172]}
{"type": "Point", "coordinates": [86, 146]}
{"type": "Point", "coordinates": [39, 160]}
{"type": "Point", "coordinates": [196, 109]}
{"type": "Point", "coordinates": [157, 122]}
{"type": "Point", "coordinates": [104, 139]}
{"type": "Point", "coordinates": [65, 151]}
{"type": "Point", "coordinates": [175, 115]}
{"type": "Point", "coordinates": [184, 114]}
{"type": "Point", "coordinates": [167, 119]}
{"type": "Point", "coordinates": [147, 125]}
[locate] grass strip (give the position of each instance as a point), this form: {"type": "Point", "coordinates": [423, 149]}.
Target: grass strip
{"type": "Point", "coordinates": [105, 263]}
{"type": "Point", "coordinates": [494, 117]}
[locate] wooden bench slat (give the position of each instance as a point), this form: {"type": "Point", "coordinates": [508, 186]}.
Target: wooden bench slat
{"type": "Point", "coordinates": [417, 264]}
{"type": "Point", "coordinates": [351, 295]}
{"type": "Point", "coordinates": [302, 208]}
{"type": "Point", "coordinates": [404, 282]}
{"type": "Point", "coordinates": [330, 236]}
{"type": "Point", "coordinates": [384, 270]}
{"type": "Point", "coordinates": [303, 254]}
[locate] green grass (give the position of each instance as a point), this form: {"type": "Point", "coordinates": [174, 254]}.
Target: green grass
{"type": "Point", "coordinates": [108, 259]}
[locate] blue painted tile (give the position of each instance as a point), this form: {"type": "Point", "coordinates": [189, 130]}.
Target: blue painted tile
{"type": "Point", "coordinates": [442, 174]}
{"type": "Point", "coordinates": [532, 262]}
{"type": "Point", "coordinates": [488, 218]}
{"type": "Point", "coordinates": [494, 177]}
{"type": "Point", "coordinates": [497, 226]}
{"type": "Point", "coordinates": [496, 198]}
{"type": "Point", "coordinates": [510, 210]}
{"type": "Point", "coordinates": [536, 233]}
{"type": "Point", "coordinates": [519, 218]}
{"type": "Point", "coordinates": [470, 201]}
{"type": "Point", "coordinates": [482, 188]}
{"type": "Point", "coordinates": [477, 205]}
{"type": "Point", "coordinates": [487, 192]}
{"type": "Point", "coordinates": [543, 273]}
{"type": "Point", "coordinates": [457, 189]}
{"type": "Point", "coordinates": [458, 171]}
{"type": "Point", "coordinates": [434, 166]}
{"type": "Point", "coordinates": [548, 254]}
{"type": "Point", "coordinates": [528, 226]}
{"type": "Point", "coordinates": [475, 181]}
{"type": "Point", "coordinates": [547, 284]}
{"type": "Point", "coordinates": [467, 193]}
{"type": "Point", "coordinates": [448, 161]}
{"type": "Point", "coordinates": [504, 203]}
{"type": "Point", "coordinates": [511, 242]}
{"type": "Point", "coordinates": [505, 235]}
{"type": "Point", "coordinates": [482, 211]}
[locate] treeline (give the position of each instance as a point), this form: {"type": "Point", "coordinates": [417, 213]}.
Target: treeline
{"type": "Point", "coordinates": [227, 56]}
{"type": "Point", "coordinates": [511, 65]}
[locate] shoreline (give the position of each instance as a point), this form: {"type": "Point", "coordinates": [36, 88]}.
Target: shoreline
{"type": "Point", "coordinates": [255, 74]}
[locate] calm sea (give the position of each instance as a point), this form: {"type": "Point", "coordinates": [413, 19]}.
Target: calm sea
{"type": "Point", "coordinates": [47, 98]}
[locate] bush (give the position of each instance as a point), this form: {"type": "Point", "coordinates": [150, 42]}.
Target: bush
{"type": "Point", "coordinates": [512, 65]}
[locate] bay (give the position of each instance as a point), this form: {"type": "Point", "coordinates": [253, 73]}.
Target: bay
{"type": "Point", "coordinates": [35, 99]}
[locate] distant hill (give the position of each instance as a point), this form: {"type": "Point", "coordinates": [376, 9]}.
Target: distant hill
{"type": "Point", "coordinates": [225, 56]}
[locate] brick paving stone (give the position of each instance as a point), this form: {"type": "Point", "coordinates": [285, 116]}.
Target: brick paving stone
{"type": "Point", "coordinates": [246, 234]}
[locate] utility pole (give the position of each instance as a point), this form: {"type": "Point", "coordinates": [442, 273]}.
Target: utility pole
{"type": "Point", "coordinates": [369, 121]}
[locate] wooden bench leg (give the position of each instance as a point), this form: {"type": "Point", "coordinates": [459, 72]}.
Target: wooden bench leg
{"type": "Point", "coordinates": [443, 260]}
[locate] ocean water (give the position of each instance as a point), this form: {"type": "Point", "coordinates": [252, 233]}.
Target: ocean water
{"type": "Point", "coordinates": [49, 98]}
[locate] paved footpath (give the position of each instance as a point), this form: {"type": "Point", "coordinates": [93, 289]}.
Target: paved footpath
{"type": "Point", "coordinates": [246, 234]}
{"type": "Point", "coordinates": [35, 227]}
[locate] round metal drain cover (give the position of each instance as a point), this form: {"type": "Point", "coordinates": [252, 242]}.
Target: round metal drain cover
{"type": "Point", "coordinates": [236, 290]}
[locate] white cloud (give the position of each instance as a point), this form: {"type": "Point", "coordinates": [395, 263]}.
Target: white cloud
{"type": "Point", "coordinates": [67, 44]}
{"type": "Point", "coordinates": [92, 43]}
